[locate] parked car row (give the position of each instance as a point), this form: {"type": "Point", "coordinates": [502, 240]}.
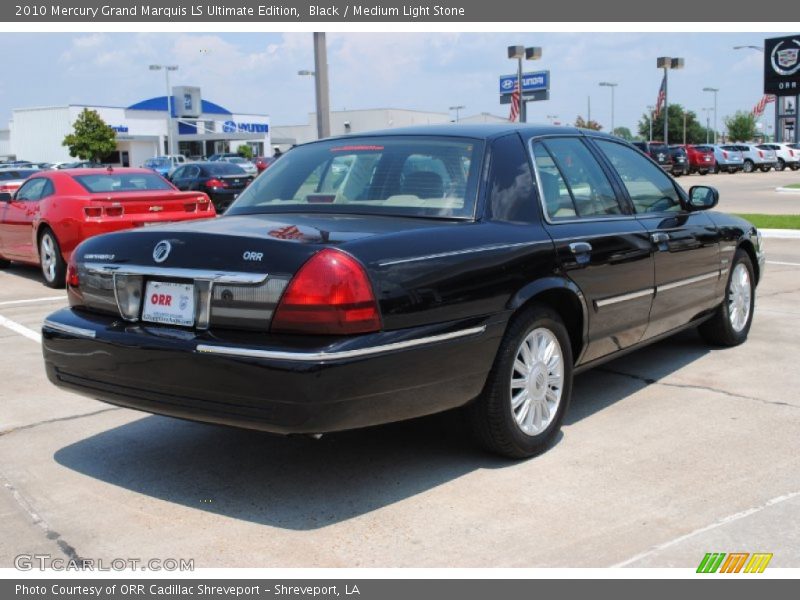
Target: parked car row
{"type": "Point", "coordinates": [685, 159]}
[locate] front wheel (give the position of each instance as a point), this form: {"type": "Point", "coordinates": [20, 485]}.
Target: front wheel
{"type": "Point", "coordinates": [54, 269]}
{"type": "Point", "coordinates": [748, 166]}
{"type": "Point", "coordinates": [528, 390]}
{"type": "Point", "coordinates": [731, 323]}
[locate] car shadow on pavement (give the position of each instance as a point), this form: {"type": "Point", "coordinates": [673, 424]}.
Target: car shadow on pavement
{"type": "Point", "coordinates": [30, 272]}
{"type": "Point", "coordinates": [303, 484]}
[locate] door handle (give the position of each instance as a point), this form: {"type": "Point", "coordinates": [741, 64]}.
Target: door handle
{"type": "Point", "coordinates": [659, 237]}
{"type": "Point", "coordinates": [580, 247]}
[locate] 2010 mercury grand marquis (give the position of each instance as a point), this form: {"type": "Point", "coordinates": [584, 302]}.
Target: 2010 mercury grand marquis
{"type": "Point", "coordinates": [374, 278]}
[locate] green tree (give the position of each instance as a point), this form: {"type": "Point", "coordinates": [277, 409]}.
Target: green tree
{"type": "Point", "coordinates": [590, 124]}
{"type": "Point", "coordinates": [695, 132]}
{"type": "Point", "coordinates": [624, 133]}
{"type": "Point", "coordinates": [245, 151]}
{"type": "Point", "coordinates": [741, 126]}
{"type": "Point", "coordinates": [92, 138]}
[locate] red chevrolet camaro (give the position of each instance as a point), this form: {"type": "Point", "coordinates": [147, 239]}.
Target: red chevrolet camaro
{"type": "Point", "coordinates": [53, 211]}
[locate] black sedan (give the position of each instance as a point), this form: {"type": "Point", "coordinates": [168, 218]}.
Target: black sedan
{"type": "Point", "coordinates": [374, 278]}
{"type": "Point", "coordinates": [222, 181]}
{"type": "Point", "coordinates": [680, 161]}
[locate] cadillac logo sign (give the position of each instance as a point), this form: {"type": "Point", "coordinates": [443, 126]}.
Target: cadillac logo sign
{"type": "Point", "coordinates": [785, 58]}
{"type": "Point", "coordinates": [161, 251]}
{"type": "Point", "coordinates": [782, 66]}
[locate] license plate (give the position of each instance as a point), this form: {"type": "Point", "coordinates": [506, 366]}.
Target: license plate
{"type": "Point", "coordinates": [154, 223]}
{"type": "Point", "coordinates": [169, 303]}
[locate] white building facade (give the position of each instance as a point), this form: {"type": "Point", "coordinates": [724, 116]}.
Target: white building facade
{"type": "Point", "coordinates": [37, 133]}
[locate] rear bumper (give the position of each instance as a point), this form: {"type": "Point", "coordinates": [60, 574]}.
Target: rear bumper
{"type": "Point", "coordinates": [280, 386]}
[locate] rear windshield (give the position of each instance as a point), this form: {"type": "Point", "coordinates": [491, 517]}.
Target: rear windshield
{"type": "Point", "coordinates": [17, 174]}
{"type": "Point", "coordinates": [157, 162]}
{"type": "Point", "coordinates": [224, 168]}
{"type": "Point", "coordinates": [122, 182]}
{"type": "Point", "coordinates": [704, 148]}
{"type": "Point", "coordinates": [658, 148]}
{"type": "Point", "coordinates": [394, 175]}
{"type": "Point", "coordinates": [732, 148]}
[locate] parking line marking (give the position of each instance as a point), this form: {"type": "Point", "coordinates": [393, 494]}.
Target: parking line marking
{"type": "Point", "coordinates": [788, 264]}
{"type": "Point", "coordinates": [32, 300]}
{"type": "Point", "coordinates": [714, 525]}
{"type": "Point", "coordinates": [21, 329]}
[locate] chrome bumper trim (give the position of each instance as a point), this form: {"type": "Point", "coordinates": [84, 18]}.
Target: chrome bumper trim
{"type": "Point", "coordinates": [342, 355]}
{"type": "Point", "coordinates": [79, 331]}
{"type": "Point", "coordinates": [174, 273]}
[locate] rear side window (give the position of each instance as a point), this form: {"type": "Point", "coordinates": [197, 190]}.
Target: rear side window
{"type": "Point", "coordinates": [568, 169]}
{"type": "Point", "coordinates": [649, 188]}
{"type": "Point", "coordinates": [511, 182]}
{"type": "Point", "coordinates": [122, 182]}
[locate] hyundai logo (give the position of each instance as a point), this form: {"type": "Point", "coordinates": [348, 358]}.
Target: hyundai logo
{"type": "Point", "coordinates": [161, 251]}
{"type": "Point", "coordinates": [508, 84]}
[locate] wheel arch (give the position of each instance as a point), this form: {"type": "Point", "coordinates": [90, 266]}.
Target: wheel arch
{"type": "Point", "coordinates": [747, 245]}
{"type": "Point", "coordinates": [566, 299]}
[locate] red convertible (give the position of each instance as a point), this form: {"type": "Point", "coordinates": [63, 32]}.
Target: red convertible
{"type": "Point", "coordinates": [54, 211]}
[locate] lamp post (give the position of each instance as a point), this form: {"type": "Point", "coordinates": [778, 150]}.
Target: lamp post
{"type": "Point", "coordinates": [667, 63]}
{"type": "Point", "coordinates": [612, 86]}
{"type": "Point", "coordinates": [714, 91]}
{"type": "Point", "coordinates": [320, 75]}
{"type": "Point", "coordinates": [651, 110]}
{"type": "Point", "coordinates": [457, 108]}
{"type": "Point", "coordinates": [167, 69]}
{"type": "Point", "coordinates": [519, 53]}
{"type": "Point", "coordinates": [708, 121]}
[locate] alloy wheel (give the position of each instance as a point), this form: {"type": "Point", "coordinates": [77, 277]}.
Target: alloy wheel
{"type": "Point", "coordinates": [739, 296]}
{"type": "Point", "coordinates": [537, 380]}
{"type": "Point", "coordinates": [47, 256]}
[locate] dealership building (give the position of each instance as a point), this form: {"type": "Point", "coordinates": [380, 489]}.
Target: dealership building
{"type": "Point", "coordinates": [199, 128]}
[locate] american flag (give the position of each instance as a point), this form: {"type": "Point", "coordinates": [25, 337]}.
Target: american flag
{"type": "Point", "coordinates": [759, 108]}
{"type": "Point", "coordinates": [662, 96]}
{"type": "Point", "coordinates": [514, 114]}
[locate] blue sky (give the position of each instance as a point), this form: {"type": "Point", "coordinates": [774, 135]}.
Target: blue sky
{"type": "Point", "coordinates": [257, 72]}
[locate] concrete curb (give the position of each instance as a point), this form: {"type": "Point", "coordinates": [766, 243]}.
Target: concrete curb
{"type": "Point", "coordinates": [785, 234]}
{"type": "Point", "coordinates": [785, 190]}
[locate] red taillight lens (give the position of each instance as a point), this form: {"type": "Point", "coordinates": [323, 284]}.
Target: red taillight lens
{"type": "Point", "coordinates": [114, 211]}
{"type": "Point", "coordinates": [331, 294]}
{"type": "Point", "coordinates": [93, 211]}
{"type": "Point", "coordinates": [791, 152]}
{"type": "Point", "coordinates": [724, 154]}
{"type": "Point", "coordinates": [212, 183]}
{"type": "Point", "coordinates": [761, 154]}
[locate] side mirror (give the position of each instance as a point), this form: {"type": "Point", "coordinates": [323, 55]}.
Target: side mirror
{"type": "Point", "coordinates": [703, 197]}
{"type": "Point", "coordinates": [5, 197]}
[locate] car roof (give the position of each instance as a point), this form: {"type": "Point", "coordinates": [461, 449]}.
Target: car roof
{"type": "Point", "coordinates": [479, 131]}
{"type": "Point", "coordinates": [101, 170]}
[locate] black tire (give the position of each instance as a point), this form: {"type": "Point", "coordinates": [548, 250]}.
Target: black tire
{"type": "Point", "coordinates": [765, 169]}
{"type": "Point", "coordinates": [719, 330]}
{"type": "Point", "coordinates": [4, 263]}
{"type": "Point", "coordinates": [794, 166]}
{"type": "Point", "coordinates": [54, 269]}
{"type": "Point", "coordinates": [748, 166]}
{"type": "Point", "coordinates": [491, 417]}
{"type": "Point", "coordinates": [781, 165]}
{"type": "Point", "coordinates": [703, 172]}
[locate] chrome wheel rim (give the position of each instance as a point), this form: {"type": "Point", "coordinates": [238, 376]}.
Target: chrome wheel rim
{"type": "Point", "coordinates": [537, 380]}
{"type": "Point", "coordinates": [739, 296]}
{"type": "Point", "coordinates": [47, 253]}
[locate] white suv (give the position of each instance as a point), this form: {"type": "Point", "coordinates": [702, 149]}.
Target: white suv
{"type": "Point", "coordinates": [787, 156]}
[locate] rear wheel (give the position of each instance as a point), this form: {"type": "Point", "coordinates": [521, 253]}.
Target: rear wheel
{"type": "Point", "coordinates": [731, 323]}
{"type": "Point", "coordinates": [781, 165]}
{"type": "Point", "coordinates": [528, 390]}
{"type": "Point", "coordinates": [748, 166]}
{"type": "Point", "coordinates": [54, 269]}
{"type": "Point", "coordinates": [703, 172]}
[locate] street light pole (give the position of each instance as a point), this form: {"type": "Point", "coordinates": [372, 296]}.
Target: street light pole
{"type": "Point", "coordinates": [714, 90]}
{"type": "Point", "coordinates": [167, 69]}
{"type": "Point", "coordinates": [652, 109]}
{"type": "Point", "coordinates": [667, 63]}
{"type": "Point", "coordinates": [612, 86]}
{"type": "Point", "coordinates": [457, 108]}
{"type": "Point", "coordinates": [321, 86]}
{"type": "Point", "coordinates": [520, 52]}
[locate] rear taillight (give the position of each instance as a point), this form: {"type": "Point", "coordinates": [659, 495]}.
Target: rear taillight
{"type": "Point", "coordinates": [330, 294]}
{"type": "Point", "coordinates": [761, 153]}
{"type": "Point", "coordinates": [74, 296]}
{"type": "Point", "coordinates": [93, 211]}
{"type": "Point", "coordinates": [114, 211]}
{"type": "Point", "coordinates": [791, 152]}
{"type": "Point", "coordinates": [724, 154]}
{"type": "Point", "coordinates": [99, 211]}
{"type": "Point", "coordinates": [215, 183]}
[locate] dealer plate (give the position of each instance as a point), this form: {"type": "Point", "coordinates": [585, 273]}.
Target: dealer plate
{"type": "Point", "coordinates": [169, 303]}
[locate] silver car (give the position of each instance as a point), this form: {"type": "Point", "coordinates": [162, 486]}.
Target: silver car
{"type": "Point", "coordinates": [757, 158]}
{"type": "Point", "coordinates": [787, 156]}
{"type": "Point", "coordinates": [729, 158]}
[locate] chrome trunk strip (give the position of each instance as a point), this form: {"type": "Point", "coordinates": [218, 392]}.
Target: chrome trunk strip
{"type": "Point", "coordinates": [174, 273]}
{"type": "Point", "coordinates": [344, 354]}
{"type": "Point", "coordinates": [79, 331]}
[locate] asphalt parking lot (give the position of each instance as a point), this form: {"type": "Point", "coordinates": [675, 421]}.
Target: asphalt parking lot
{"type": "Point", "coordinates": [666, 454]}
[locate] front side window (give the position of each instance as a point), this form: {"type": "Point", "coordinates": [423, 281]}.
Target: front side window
{"type": "Point", "coordinates": [649, 188]}
{"type": "Point", "coordinates": [399, 175]}
{"type": "Point", "coordinates": [579, 177]}
{"type": "Point", "coordinates": [32, 190]}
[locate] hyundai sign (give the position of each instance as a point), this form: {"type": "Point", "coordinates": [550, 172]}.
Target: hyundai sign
{"type": "Point", "coordinates": [531, 82]}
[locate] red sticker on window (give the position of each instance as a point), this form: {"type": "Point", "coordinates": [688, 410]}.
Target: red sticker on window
{"type": "Point", "coordinates": [355, 148]}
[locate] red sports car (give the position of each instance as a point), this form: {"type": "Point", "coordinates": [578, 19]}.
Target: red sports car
{"type": "Point", "coordinates": [54, 211]}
